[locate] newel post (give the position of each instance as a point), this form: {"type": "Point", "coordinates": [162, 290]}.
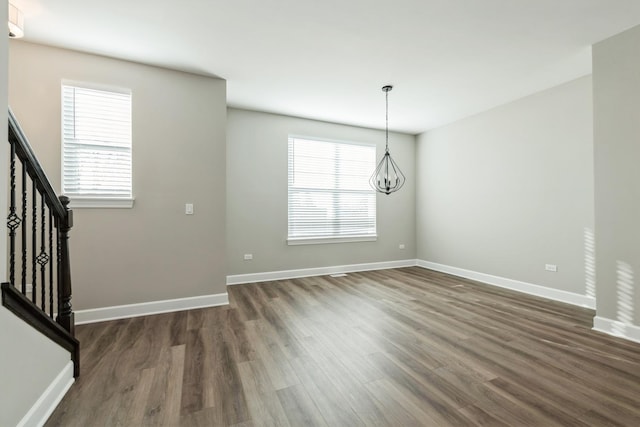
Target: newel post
{"type": "Point", "coordinates": [65, 312]}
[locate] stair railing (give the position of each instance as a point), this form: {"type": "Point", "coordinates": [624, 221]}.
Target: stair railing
{"type": "Point", "coordinates": [38, 226]}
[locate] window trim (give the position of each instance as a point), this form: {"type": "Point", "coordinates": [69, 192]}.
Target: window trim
{"type": "Point", "coordinates": [320, 240]}
{"type": "Point", "coordinates": [80, 202]}
{"type": "Point", "coordinates": [100, 202]}
{"type": "Point", "coordinates": [296, 241]}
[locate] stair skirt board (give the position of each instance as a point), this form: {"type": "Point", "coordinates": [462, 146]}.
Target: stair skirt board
{"type": "Point", "coordinates": [148, 308]}
{"type": "Point", "coordinates": [50, 398]}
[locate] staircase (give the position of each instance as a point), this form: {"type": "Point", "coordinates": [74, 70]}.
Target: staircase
{"type": "Point", "coordinates": [39, 287]}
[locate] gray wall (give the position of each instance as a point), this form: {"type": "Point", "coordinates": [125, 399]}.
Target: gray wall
{"type": "Point", "coordinates": [29, 362]}
{"type": "Point", "coordinates": [616, 88]}
{"type": "Point", "coordinates": [4, 147]}
{"type": "Point", "coordinates": [24, 373]}
{"type": "Point", "coordinates": [509, 190]}
{"type": "Point", "coordinates": [153, 251]}
{"type": "Point", "coordinates": [257, 196]}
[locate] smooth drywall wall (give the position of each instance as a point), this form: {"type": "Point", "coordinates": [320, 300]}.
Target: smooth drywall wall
{"type": "Point", "coordinates": [153, 251]}
{"type": "Point", "coordinates": [4, 147]}
{"type": "Point", "coordinates": [509, 190]}
{"type": "Point", "coordinates": [257, 196]}
{"type": "Point", "coordinates": [24, 374]}
{"type": "Point", "coordinates": [616, 89]}
{"type": "Point", "coordinates": [29, 362]}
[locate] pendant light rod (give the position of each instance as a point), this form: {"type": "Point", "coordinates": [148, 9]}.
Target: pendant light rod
{"type": "Point", "coordinates": [386, 90]}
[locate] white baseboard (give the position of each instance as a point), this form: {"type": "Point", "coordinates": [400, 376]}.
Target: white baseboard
{"type": "Point", "coordinates": [319, 271]}
{"type": "Point", "coordinates": [616, 328]}
{"type": "Point", "coordinates": [50, 398]}
{"type": "Point", "coordinates": [147, 308]}
{"type": "Point", "coordinates": [516, 285]}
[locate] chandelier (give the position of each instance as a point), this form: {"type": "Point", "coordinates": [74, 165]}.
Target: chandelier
{"type": "Point", "coordinates": [388, 177]}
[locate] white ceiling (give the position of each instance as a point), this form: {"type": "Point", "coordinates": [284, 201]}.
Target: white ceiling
{"type": "Point", "coordinates": [328, 59]}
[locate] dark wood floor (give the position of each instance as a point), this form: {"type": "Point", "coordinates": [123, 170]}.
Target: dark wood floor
{"type": "Point", "coordinates": [402, 347]}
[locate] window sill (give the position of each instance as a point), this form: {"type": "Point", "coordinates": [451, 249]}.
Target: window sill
{"type": "Point", "coordinates": [96, 202]}
{"type": "Point", "coordinates": [327, 240]}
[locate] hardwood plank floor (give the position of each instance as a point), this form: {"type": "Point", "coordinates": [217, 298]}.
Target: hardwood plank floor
{"type": "Point", "coordinates": [401, 347]}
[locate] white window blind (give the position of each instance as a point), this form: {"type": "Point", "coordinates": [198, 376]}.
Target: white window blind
{"type": "Point", "coordinates": [96, 149]}
{"type": "Point", "coordinates": [329, 193]}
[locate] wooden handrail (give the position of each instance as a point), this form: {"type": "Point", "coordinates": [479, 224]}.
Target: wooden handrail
{"type": "Point", "coordinates": [25, 153]}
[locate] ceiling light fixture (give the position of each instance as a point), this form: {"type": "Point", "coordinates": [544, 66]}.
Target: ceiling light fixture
{"type": "Point", "coordinates": [16, 22]}
{"type": "Point", "coordinates": [388, 177]}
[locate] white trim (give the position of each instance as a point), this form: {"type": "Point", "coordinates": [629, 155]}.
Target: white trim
{"type": "Point", "coordinates": [292, 241]}
{"type": "Point", "coordinates": [96, 86]}
{"type": "Point", "coordinates": [238, 279]}
{"type": "Point", "coordinates": [147, 308]}
{"type": "Point", "coordinates": [50, 398]}
{"type": "Point", "coordinates": [516, 285]}
{"type": "Point", "coordinates": [123, 146]}
{"type": "Point", "coordinates": [98, 202]}
{"type": "Point", "coordinates": [335, 141]}
{"type": "Point", "coordinates": [616, 328]}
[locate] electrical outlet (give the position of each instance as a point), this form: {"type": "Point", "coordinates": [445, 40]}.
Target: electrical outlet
{"type": "Point", "coordinates": [401, 246]}
{"type": "Point", "coordinates": [248, 257]}
{"type": "Point", "coordinates": [188, 209]}
{"type": "Point", "coordinates": [551, 267]}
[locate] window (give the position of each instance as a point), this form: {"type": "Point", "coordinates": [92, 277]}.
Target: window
{"type": "Point", "coordinates": [96, 147]}
{"type": "Point", "coordinates": [330, 199]}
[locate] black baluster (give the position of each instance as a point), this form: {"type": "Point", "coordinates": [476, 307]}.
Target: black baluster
{"type": "Point", "coordinates": [34, 242]}
{"type": "Point", "coordinates": [58, 262]}
{"type": "Point", "coordinates": [24, 229]}
{"type": "Point", "coordinates": [51, 264]}
{"type": "Point", "coordinates": [13, 221]}
{"type": "Point", "coordinates": [43, 257]}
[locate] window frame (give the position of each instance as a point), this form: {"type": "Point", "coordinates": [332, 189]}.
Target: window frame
{"type": "Point", "coordinates": [93, 201]}
{"type": "Point", "coordinates": [327, 239]}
